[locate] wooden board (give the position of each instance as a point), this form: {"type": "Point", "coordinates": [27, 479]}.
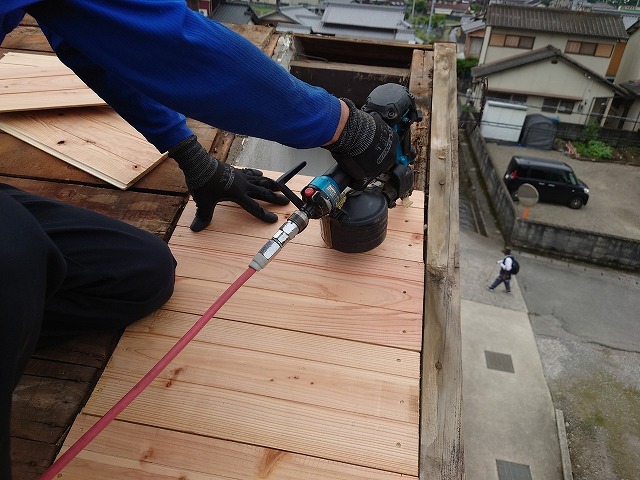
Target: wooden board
{"type": "Point", "coordinates": [312, 366]}
{"type": "Point", "coordinates": [441, 446]}
{"type": "Point", "coordinates": [94, 139]}
{"type": "Point", "coordinates": [37, 82]}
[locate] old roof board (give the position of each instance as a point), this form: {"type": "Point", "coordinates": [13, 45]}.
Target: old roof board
{"type": "Point", "coordinates": [558, 21]}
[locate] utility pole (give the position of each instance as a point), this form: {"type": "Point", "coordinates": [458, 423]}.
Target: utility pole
{"type": "Point", "coordinates": [433, 4]}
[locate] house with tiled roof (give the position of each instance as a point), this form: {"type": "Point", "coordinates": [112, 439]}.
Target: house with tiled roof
{"type": "Point", "coordinates": [595, 40]}
{"type": "Point", "coordinates": [347, 20]}
{"type": "Point", "coordinates": [292, 16]}
{"type": "Point", "coordinates": [234, 11]}
{"type": "Point", "coordinates": [560, 63]}
{"type": "Point", "coordinates": [550, 82]}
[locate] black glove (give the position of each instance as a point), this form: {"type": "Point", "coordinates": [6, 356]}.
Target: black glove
{"type": "Point", "coordinates": [210, 182]}
{"type": "Point", "coordinates": [366, 147]}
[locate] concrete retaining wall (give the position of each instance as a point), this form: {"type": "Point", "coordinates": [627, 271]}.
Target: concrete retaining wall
{"type": "Point", "coordinates": [592, 247]}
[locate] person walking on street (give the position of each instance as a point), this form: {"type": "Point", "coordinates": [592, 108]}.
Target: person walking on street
{"type": "Point", "coordinates": [506, 266]}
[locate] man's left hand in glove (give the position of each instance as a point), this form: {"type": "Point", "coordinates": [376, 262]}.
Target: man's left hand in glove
{"type": "Point", "coordinates": [210, 182]}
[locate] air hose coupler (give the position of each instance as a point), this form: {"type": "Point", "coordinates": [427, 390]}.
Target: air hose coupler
{"type": "Point", "coordinates": [296, 223]}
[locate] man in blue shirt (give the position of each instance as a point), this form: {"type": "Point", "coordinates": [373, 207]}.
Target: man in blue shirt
{"type": "Point", "coordinates": [67, 270]}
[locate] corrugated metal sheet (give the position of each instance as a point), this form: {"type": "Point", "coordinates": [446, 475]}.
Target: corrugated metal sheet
{"type": "Point", "coordinates": [354, 32]}
{"type": "Point", "coordinates": [232, 13]}
{"type": "Point", "coordinates": [472, 26]}
{"type": "Point", "coordinates": [293, 28]}
{"type": "Point", "coordinates": [558, 21]}
{"type": "Point", "coordinates": [300, 14]}
{"type": "Point", "coordinates": [369, 16]}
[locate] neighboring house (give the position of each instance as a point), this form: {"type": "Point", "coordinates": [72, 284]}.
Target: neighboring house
{"type": "Point", "coordinates": [550, 81]}
{"type": "Point", "coordinates": [628, 77]}
{"type": "Point", "coordinates": [366, 22]}
{"type": "Point", "coordinates": [474, 37]}
{"type": "Point", "coordinates": [451, 10]}
{"type": "Point", "coordinates": [294, 15]}
{"type": "Point", "coordinates": [234, 12]}
{"type": "Point", "coordinates": [350, 20]}
{"type": "Point", "coordinates": [629, 68]}
{"type": "Point", "coordinates": [597, 41]}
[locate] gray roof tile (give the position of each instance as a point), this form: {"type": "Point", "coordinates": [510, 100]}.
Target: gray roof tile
{"type": "Point", "coordinates": [555, 20]}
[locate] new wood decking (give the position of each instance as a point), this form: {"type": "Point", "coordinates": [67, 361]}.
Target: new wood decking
{"type": "Point", "coordinates": [343, 347]}
{"type": "Point", "coordinates": [311, 370]}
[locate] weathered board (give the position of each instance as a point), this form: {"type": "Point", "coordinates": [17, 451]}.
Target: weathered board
{"type": "Point", "coordinates": [315, 360]}
{"type": "Point", "coordinates": [441, 446]}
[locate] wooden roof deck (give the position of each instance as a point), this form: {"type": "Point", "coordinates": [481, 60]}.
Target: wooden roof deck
{"type": "Point", "coordinates": [314, 369]}
{"type": "Point", "coordinates": [313, 364]}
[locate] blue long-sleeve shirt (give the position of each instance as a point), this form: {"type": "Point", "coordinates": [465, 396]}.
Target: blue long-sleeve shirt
{"type": "Point", "coordinates": [156, 61]}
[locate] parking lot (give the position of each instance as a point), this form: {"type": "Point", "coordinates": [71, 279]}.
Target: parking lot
{"type": "Point", "coordinates": [614, 193]}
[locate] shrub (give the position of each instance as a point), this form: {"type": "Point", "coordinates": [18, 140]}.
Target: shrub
{"type": "Point", "coordinates": [590, 132]}
{"type": "Point", "coordinates": [464, 66]}
{"type": "Point", "coordinates": [594, 149]}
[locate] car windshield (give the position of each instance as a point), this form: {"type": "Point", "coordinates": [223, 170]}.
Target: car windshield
{"type": "Point", "coordinates": [573, 179]}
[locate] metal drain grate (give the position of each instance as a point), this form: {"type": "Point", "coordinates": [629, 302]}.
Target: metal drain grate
{"type": "Point", "coordinates": [499, 361]}
{"type": "Point", "coordinates": [513, 471]}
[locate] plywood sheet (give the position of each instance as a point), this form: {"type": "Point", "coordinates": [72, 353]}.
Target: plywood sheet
{"type": "Point", "coordinates": [311, 370]}
{"type": "Point", "coordinates": [94, 139]}
{"type": "Point", "coordinates": [37, 82]}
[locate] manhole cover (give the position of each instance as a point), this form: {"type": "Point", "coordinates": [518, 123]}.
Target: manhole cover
{"type": "Point", "coordinates": [499, 361]}
{"type": "Point", "coordinates": [513, 471]}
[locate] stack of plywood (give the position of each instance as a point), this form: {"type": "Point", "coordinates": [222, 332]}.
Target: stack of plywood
{"type": "Point", "coordinates": [45, 104]}
{"type": "Point", "coordinates": [310, 371]}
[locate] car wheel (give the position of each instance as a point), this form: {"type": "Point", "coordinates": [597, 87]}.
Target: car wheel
{"type": "Point", "coordinates": [575, 203]}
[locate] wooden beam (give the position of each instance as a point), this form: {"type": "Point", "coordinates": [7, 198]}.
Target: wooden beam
{"type": "Point", "coordinates": [441, 448]}
{"type": "Point", "coordinates": [349, 50]}
{"type": "Point", "coordinates": [349, 80]}
{"type": "Point", "coordinates": [420, 85]}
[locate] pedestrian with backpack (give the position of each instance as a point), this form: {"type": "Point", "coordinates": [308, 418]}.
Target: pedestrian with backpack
{"type": "Point", "coordinates": [508, 266]}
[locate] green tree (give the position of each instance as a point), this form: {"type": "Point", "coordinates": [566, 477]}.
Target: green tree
{"type": "Point", "coordinates": [464, 66]}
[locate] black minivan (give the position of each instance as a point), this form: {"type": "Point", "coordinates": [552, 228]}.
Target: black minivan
{"type": "Point", "coordinates": [555, 181]}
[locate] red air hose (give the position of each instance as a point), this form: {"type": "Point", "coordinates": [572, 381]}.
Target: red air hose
{"type": "Point", "coordinates": [93, 432]}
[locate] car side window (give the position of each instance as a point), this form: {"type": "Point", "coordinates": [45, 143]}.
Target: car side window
{"type": "Point", "coordinates": [538, 174]}
{"type": "Point", "coordinates": [557, 177]}
{"type": "Point", "coordinates": [572, 179]}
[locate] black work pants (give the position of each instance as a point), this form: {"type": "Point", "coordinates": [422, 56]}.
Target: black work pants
{"type": "Point", "coordinates": [66, 270]}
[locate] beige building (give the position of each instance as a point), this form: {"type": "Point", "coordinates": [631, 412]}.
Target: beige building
{"type": "Point", "coordinates": [560, 63]}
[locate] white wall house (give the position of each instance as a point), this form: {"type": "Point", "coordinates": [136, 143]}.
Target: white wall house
{"type": "Point", "coordinates": [560, 63]}
{"type": "Point", "coordinates": [595, 40]}
{"type": "Point", "coordinates": [550, 82]}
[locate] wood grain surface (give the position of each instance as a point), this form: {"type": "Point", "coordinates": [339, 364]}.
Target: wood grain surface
{"type": "Point", "coordinates": [311, 370]}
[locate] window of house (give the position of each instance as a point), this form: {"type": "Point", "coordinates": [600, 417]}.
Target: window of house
{"type": "Point", "coordinates": [507, 97]}
{"type": "Point", "coordinates": [512, 41]}
{"type": "Point", "coordinates": [589, 48]}
{"type": "Point", "coordinates": [557, 105]}
{"type": "Point", "coordinates": [566, 106]}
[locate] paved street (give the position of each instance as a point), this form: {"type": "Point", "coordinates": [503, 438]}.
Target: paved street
{"type": "Point", "coordinates": [613, 198]}
{"type": "Point", "coordinates": [586, 324]}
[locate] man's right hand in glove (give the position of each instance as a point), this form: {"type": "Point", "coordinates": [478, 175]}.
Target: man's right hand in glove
{"type": "Point", "coordinates": [366, 146]}
{"type": "Point", "coordinates": [210, 182]}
